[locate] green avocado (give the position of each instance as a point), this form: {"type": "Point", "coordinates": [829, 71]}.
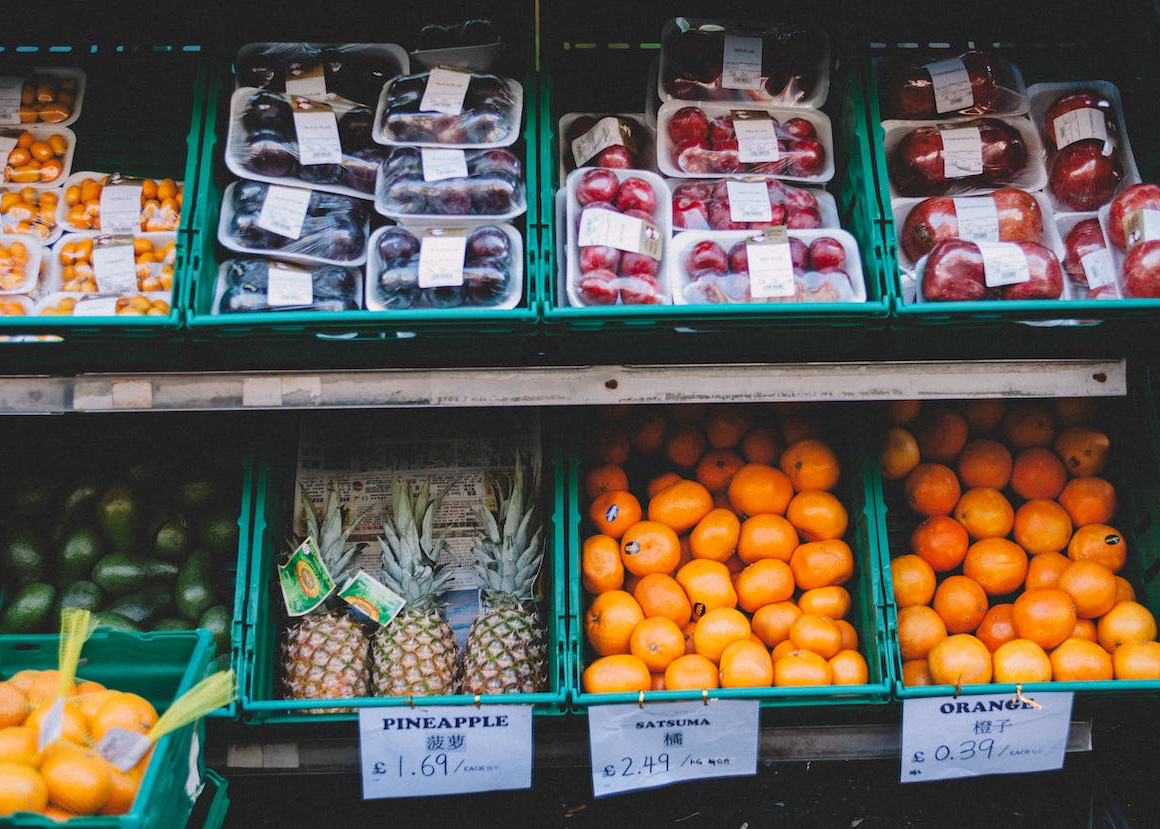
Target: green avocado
{"type": "Point", "coordinates": [171, 537]}
{"type": "Point", "coordinates": [196, 493]}
{"type": "Point", "coordinates": [77, 508]}
{"type": "Point", "coordinates": [171, 623]}
{"type": "Point", "coordinates": [119, 517]}
{"type": "Point", "coordinates": [217, 531]}
{"type": "Point", "coordinates": [217, 621]}
{"type": "Point", "coordinates": [143, 606]}
{"type": "Point", "coordinates": [34, 497]}
{"type": "Point", "coordinates": [106, 619]}
{"type": "Point", "coordinates": [30, 610]}
{"type": "Point", "coordinates": [195, 586]}
{"type": "Point", "coordinates": [121, 573]}
{"type": "Point", "coordinates": [80, 549]}
{"type": "Point", "coordinates": [82, 594]}
{"type": "Point", "coordinates": [23, 558]}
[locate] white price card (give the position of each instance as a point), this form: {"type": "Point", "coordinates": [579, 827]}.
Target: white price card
{"type": "Point", "coordinates": [445, 91]}
{"type": "Point", "coordinates": [444, 749]}
{"type": "Point", "coordinates": [1079, 125]}
{"type": "Point", "coordinates": [288, 286]}
{"type": "Point", "coordinates": [103, 306]}
{"type": "Point", "coordinates": [971, 736]}
{"type": "Point", "coordinates": [1003, 264]}
{"type": "Point", "coordinates": [310, 82]}
{"type": "Point", "coordinates": [962, 152]}
{"type": "Point", "coordinates": [441, 261]}
{"type": "Point", "coordinates": [316, 129]}
{"type": "Point", "coordinates": [605, 133]}
{"type": "Point", "coordinates": [115, 268]}
{"type": "Point", "coordinates": [749, 201]}
{"type": "Point", "coordinates": [7, 145]}
{"type": "Point", "coordinates": [756, 136]}
{"type": "Point", "coordinates": [636, 747]}
{"type": "Point", "coordinates": [443, 164]}
{"type": "Point", "coordinates": [978, 218]}
{"type": "Point", "coordinates": [741, 67]}
{"type": "Point", "coordinates": [952, 85]}
{"type": "Point", "coordinates": [284, 210]}
{"type": "Point", "coordinates": [120, 208]}
{"type": "Point", "coordinates": [770, 270]}
{"type": "Point", "coordinates": [10, 99]}
{"type": "Point", "coordinates": [1098, 268]}
{"type": "Point", "coordinates": [607, 227]}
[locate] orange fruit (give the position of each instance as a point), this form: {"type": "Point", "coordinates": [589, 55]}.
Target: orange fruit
{"type": "Point", "coordinates": [1038, 473]}
{"type": "Point", "coordinates": [1021, 661]}
{"type": "Point", "coordinates": [1091, 585]}
{"type": "Point", "coordinates": [646, 432]}
{"type": "Point", "coordinates": [766, 536]}
{"type": "Point", "coordinates": [1088, 501]}
{"type": "Point", "coordinates": [75, 726]}
{"type": "Point", "coordinates": [659, 595]}
{"type": "Point", "coordinates": [913, 579]}
{"type": "Point", "coordinates": [758, 488]}
{"type": "Point", "coordinates": [848, 667]}
{"type": "Point", "coordinates": [681, 505]}
{"type": "Point", "coordinates": [998, 565]}
{"type": "Point", "coordinates": [1045, 615]}
{"type": "Point", "coordinates": [781, 649]}
{"type": "Point", "coordinates": [79, 781]}
{"type": "Point", "coordinates": [819, 634]}
{"type": "Point", "coordinates": [650, 547]}
{"type": "Point", "coordinates": [611, 513]}
{"type": "Point", "coordinates": [14, 706]}
{"type": "Point", "coordinates": [618, 674]}
{"type": "Point", "coordinates": [919, 630]}
{"type": "Point", "coordinates": [611, 619]}
{"type": "Point", "coordinates": [726, 424]}
{"type": "Point", "coordinates": [849, 635]}
{"type": "Point", "coordinates": [606, 478]}
{"type": "Point", "coordinates": [657, 642]}
{"type": "Point", "coordinates": [1028, 423]}
{"type": "Point", "coordinates": [961, 602]}
{"type": "Point", "coordinates": [901, 412]}
{"type": "Point", "coordinates": [128, 711]}
{"type": "Point", "coordinates": [1085, 629]}
{"type": "Point", "coordinates": [915, 673]}
{"type": "Point", "coordinates": [687, 632]}
{"type": "Point", "coordinates": [985, 513]}
{"type": "Point", "coordinates": [941, 542]}
{"type": "Point", "coordinates": [772, 622]}
{"type": "Point", "coordinates": [960, 660]}
{"type": "Point", "coordinates": [684, 445]}
{"type": "Point", "coordinates": [899, 454]}
{"type": "Point", "coordinates": [810, 464]}
{"type": "Point", "coordinates": [715, 536]}
{"type": "Point", "coordinates": [18, 744]}
{"type": "Point", "coordinates": [1078, 660]}
{"type": "Point", "coordinates": [43, 688]}
{"type": "Point", "coordinates": [761, 444]}
{"type": "Point", "coordinates": [91, 703]}
{"type": "Point", "coordinates": [832, 601]}
{"type": "Point", "coordinates": [21, 789]}
{"type": "Point", "coordinates": [716, 469]}
{"type": "Point", "coordinates": [941, 433]}
{"type": "Point", "coordinates": [1042, 526]}
{"type": "Point", "coordinates": [601, 567]}
{"type": "Point", "coordinates": [22, 680]}
{"type": "Point", "coordinates": [1101, 543]}
{"type": "Point", "coordinates": [708, 585]}
{"type": "Point", "coordinates": [661, 482]}
{"type": "Point", "coordinates": [718, 629]}
{"type": "Point", "coordinates": [658, 682]}
{"type": "Point", "coordinates": [125, 785]}
{"type": "Point", "coordinates": [764, 582]}
{"type": "Point", "coordinates": [984, 463]}
{"type": "Point", "coordinates": [1137, 660]}
{"type": "Point", "coordinates": [1084, 451]}
{"type": "Point", "coordinates": [822, 563]}
{"type": "Point", "coordinates": [746, 664]}
{"type": "Point", "coordinates": [608, 443]}
{"type": "Point", "coordinates": [1124, 590]}
{"type": "Point", "coordinates": [1044, 570]}
{"type": "Point", "coordinates": [1072, 411]}
{"type": "Point", "coordinates": [932, 489]}
{"type": "Point", "coordinates": [1124, 623]}
{"type": "Point", "coordinates": [87, 686]}
{"type": "Point", "coordinates": [997, 627]}
{"type": "Point", "coordinates": [983, 415]}
{"type": "Point", "coordinates": [691, 672]}
{"type": "Point", "coordinates": [817, 515]}
{"type": "Point", "coordinates": [795, 428]}
{"type": "Point", "coordinates": [799, 668]}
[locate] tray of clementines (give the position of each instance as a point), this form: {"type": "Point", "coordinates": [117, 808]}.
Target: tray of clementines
{"type": "Point", "coordinates": [726, 550]}
{"type": "Point", "coordinates": [1022, 545]}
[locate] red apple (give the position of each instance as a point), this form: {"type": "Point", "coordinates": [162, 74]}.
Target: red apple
{"type": "Point", "coordinates": [616, 157]}
{"type": "Point", "coordinates": [807, 157]}
{"type": "Point", "coordinates": [1136, 197]}
{"type": "Point", "coordinates": [690, 212]}
{"type": "Point", "coordinates": [739, 258]}
{"type": "Point", "coordinates": [800, 197]}
{"type": "Point", "coordinates": [721, 190]}
{"type": "Point", "coordinates": [803, 219]}
{"type": "Point", "coordinates": [917, 166]}
{"type": "Point", "coordinates": [1070, 103]}
{"type": "Point", "coordinates": [954, 273]}
{"type": "Point", "coordinates": [640, 290]}
{"type": "Point", "coordinates": [636, 194]}
{"type": "Point", "coordinates": [1020, 218]}
{"type": "Point", "coordinates": [826, 252]}
{"type": "Point", "coordinates": [637, 264]}
{"type": "Point", "coordinates": [928, 223]}
{"type": "Point", "coordinates": [721, 129]}
{"type": "Point", "coordinates": [1086, 237]}
{"type": "Point", "coordinates": [799, 254]}
{"type": "Point", "coordinates": [599, 257]}
{"type": "Point", "coordinates": [1142, 271]}
{"type": "Point", "coordinates": [598, 288]}
{"type": "Point", "coordinates": [1046, 275]}
{"type": "Point", "coordinates": [707, 256]}
{"type": "Point", "coordinates": [687, 124]}
{"type": "Point", "coordinates": [907, 91]}
{"type": "Point", "coordinates": [694, 190]}
{"type": "Point", "coordinates": [799, 128]}
{"type": "Point", "coordinates": [597, 186]}
{"type": "Point", "coordinates": [721, 219]}
{"type": "Point", "coordinates": [1082, 177]}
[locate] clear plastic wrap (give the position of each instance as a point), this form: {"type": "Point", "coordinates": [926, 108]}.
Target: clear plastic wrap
{"type": "Point", "coordinates": [1131, 228]}
{"type": "Point", "coordinates": [333, 228]}
{"type": "Point", "coordinates": [244, 286]}
{"type": "Point", "coordinates": [20, 258]}
{"type": "Point", "coordinates": [492, 190]}
{"type": "Point", "coordinates": [919, 86]}
{"type": "Point", "coordinates": [492, 269]}
{"type": "Point", "coordinates": [485, 115]}
{"type": "Point", "coordinates": [71, 263]}
{"type": "Point", "coordinates": [16, 305]}
{"type": "Point", "coordinates": [80, 209]}
{"type": "Point", "coordinates": [28, 211]}
{"type": "Point", "coordinates": [699, 140]}
{"type": "Point", "coordinates": [355, 71]}
{"type": "Point", "coordinates": [705, 60]}
{"type": "Point", "coordinates": [1088, 262]}
{"type": "Point", "coordinates": [635, 146]}
{"type": "Point", "coordinates": [61, 304]}
{"type": "Point", "coordinates": [705, 204]}
{"type": "Point", "coordinates": [263, 142]}
{"type": "Point", "coordinates": [42, 94]}
{"type": "Point", "coordinates": [38, 156]}
{"type": "Point", "coordinates": [960, 271]}
{"type": "Point", "coordinates": [473, 44]}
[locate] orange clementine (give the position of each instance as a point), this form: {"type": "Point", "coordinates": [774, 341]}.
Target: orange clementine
{"type": "Point", "coordinates": [795, 428]}
{"type": "Point", "coordinates": [811, 464]}
{"type": "Point", "coordinates": [997, 564]}
{"type": "Point", "coordinates": [764, 582]}
{"type": "Point", "coordinates": [1038, 473]}
{"type": "Point", "coordinates": [21, 789]}
{"type": "Point", "coordinates": [899, 454]}
{"type": "Point", "coordinates": [1042, 526]}
{"type": "Point", "coordinates": [817, 515]}
{"type": "Point", "coordinates": [746, 664]}
{"type": "Point", "coordinates": [758, 488]}
{"type": "Point", "coordinates": [610, 621]}
{"type": "Point", "coordinates": [79, 781]}
{"type": "Point", "coordinates": [715, 536]}
{"type": "Point", "coordinates": [691, 672]}
{"type": "Point", "coordinates": [606, 478]}
{"type": "Point", "coordinates": [761, 444]}
{"type": "Point", "coordinates": [985, 513]}
{"type": "Point", "coordinates": [941, 433]}
{"type": "Point", "coordinates": [915, 673]}
{"type": "Point", "coordinates": [687, 632]}
{"type": "Point", "coordinates": [919, 629]}
{"type": "Point", "coordinates": [708, 585]}
{"type": "Point", "coordinates": [124, 792]}
{"type": "Point", "coordinates": [781, 649]}
{"type": "Point", "coordinates": [983, 415]}
{"type": "Point", "coordinates": [681, 505]}
{"type": "Point", "coordinates": [830, 601]}
{"type": "Point", "coordinates": [75, 726]}
{"type": "Point", "coordinates": [941, 542]}
{"type": "Point", "coordinates": [1084, 451]}
{"type": "Point", "coordinates": [961, 602]}
{"type": "Point", "coordinates": [1028, 423]}
{"type": "Point", "coordinates": [984, 463]}
{"type": "Point", "coordinates": [766, 536]}
{"type": "Point", "coordinates": [726, 424]}
{"type": "Point", "coordinates": [901, 412]}
{"type": "Point", "coordinates": [1021, 661]}
{"type": "Point", "coordinates": [128, 711]}
{"type": "Point", "coordinates": [22, 680]}
{"type": "Point", "coordinates": [608, 444]}
{"type": "Point", "coordinates": [819, 634]}
{"type": "Point", "coordinates": [658, 682]}
{"type": "Point", "coordinates": [716, 469]}
{"type": "Point", "coordinates": [1078, 660]}
{"type": "Point", "coordinates": [684, 445]}
{"type": "Point", "coordinates": [657, 641]}
{"type": "Point", "coordinates": [822, 563]}
{"type": "Point", "coordinates": [661, 482]}
{"type": "Point", "coordinates": [18, 744]}
{"type": "Point", "coordinates": [960, 660]}
{"type": "Point", "coordinates": [800, 668]}
{"type": "Point", "coordinates": [848, 667]}
{"type": "Point", "coordinates": [650, 547]}
{"type": "Point", "coordinates": [849, 635]}
{"type": "Point", "coordinates": [601, 567]}
{"type": "Point", "coordinates": [1137, 660]}
{"type": "Point", "coordinates": [1088, 501]}
{"type": "Point", "coordinates": [932, 489]}
{"type": "Point", "coordinates": [1126, 622]}
{"type": "Point", "coordinates": [1124, 590]}
{"type": "Point", "coordinates": [1101, 543]}
{"type": "Point", "coordinates": [772, 622]}
{"type": "Point", "coordinates": [611, 513]}
{"type": "Point", "coordinates": [718, 629]}
{"type": "Point", "coordinates": [1091, 585]}
{"type": "Point", "coordinates": [659, 595]}
{"type": "Point", "coordinates": [646, 432]}
{"type": "Point", "coordinates": [1045, 615]}
{"type": "Point", "coordinates": [618, 674]}
{"type": "Point", "coordinates": [1044, 570]}
{"type": "Point", "coordinates": [14, 706]}
{"type": "Point", "coordinates": [1085, 629]}
{"type": "Point", "coordinates": [44, 688]}
{"type": "Point", "coordinates": [913, 579]}
{"type": "Point", "coordinates": [1072, 411]}
{"type": "Point", "coordinates": [997, 627]}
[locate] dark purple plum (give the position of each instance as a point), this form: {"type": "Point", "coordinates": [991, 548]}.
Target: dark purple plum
{"type": "Point", "coordinates": [397, 244]}
{"type": "Point", "coordinates": [487, 243]}
{"type": "Point", "coordinates": [270, 158]}
{"type": "Point", "coordinates": [322, 173]}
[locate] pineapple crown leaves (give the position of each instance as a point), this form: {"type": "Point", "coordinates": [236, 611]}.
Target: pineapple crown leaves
{"type": "Point", "coordinates": [410, 550]}
{"type": "Point", "coordinates": [510, 549]}
{"type": "Point", "coordinates": [331, 529]}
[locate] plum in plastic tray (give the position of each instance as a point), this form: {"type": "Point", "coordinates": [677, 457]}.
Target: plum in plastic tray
{"type": "Point", "coordinates": [355, 71]}
{"type": "Point", "coordinates": [492, 190]}
{"type": "Point", "coordinates": [489, 114]}
{"type": "Point", "coordinates": [704, 204]}
{"type": "Point", "coordinates": [573, 125]}
{"type": "Point", "coordinates": [243, 287]}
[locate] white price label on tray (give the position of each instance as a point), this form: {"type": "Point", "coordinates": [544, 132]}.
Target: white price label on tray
{"type": "Point", "coordinates": [10, 99]}
{"type": "Point", "coordinates": [445, 91]}
{"type": "Point", "coordinates": [962, 152]}
{"type": "Point", "coordinates": [741, 67]}
{"type": "Point", "coordinates": [952, 85]}
{"type": "Point", "coordinates": [7, 145]}
{"type": "Point", "coordinates": [1098, 268]}
{"type": "Point", "coordinates": [978, 218]}
{"type": "Point", "coordinates": [284, 210]}
{"type": "Point", "coordinates": [1003, 264]}
{"type": "Point", "coordinates": [115, 268]}
{"type": "Point", "coordinates": [102, 306]}
{"type": "Point", "coordinates": [944, 737]}
{"type": "Point", "coordinates": [1141, 226]}
{"type": "Point", "coordinates": [770, 269]}
{"type": "Point", "coordinates": [311, 83]}
{"type": "Point", "coordinates": [605, 133]}
{"type": "Point", "coordinates": [441, 261]}
{"type": "Point", "coordinates": [288, 286]}
{"type": "Point", "coordinates": [1080, 124]}
{"type": "Point", "coordinates": [443, 164]}
{"type": "Point", "coordinates": [756, 136]}
{"type": "Point", "coordinates": [628, 233]}
{"type": "Point", "coordinates": [120, 208]}
{"type": "Point", "coordinates": [636, 747]}
{"type": "Point", "coordinates": [317, 132]}
{"type": "Point", "coordinates": [444, 749]}
{"type": "Point", "coordinates": [749, 201]}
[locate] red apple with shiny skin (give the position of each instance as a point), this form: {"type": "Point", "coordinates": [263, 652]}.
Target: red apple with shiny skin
{"type": "Point", "coordinates": [1084, 238]}
{"type": "Point", "coordinates": [707, 256]}
{"type": "Point", "coordinates": [1136, 197]}
{"type": "Point", "coordinates": [1070, 103]}
{"type": "Point", "coordinates": [687, 124]}
{"type": "Point", "coordinates": [907, 91]}
{"type": "Point", "coordinates": [690, 212]}
{"type": "Point", "coordinates": [917, 166]}
{"type": "Point", "coordinates": [636, 194]}
{"type": "Point", "coordinates": [1082, 177]}
{"type": "Point", "coordinates": [597, 186]}
{"type": "Point", "coordinates": [1046, 280]}
{"type": "Point", "coordinates": [954, 273]}
{"type": "Point", "coordinates": [827, 252]}
{"type": "Point", "coordinates": [1142, 271]}
{"type": "Point", "coordinates": [599, 257]}
{"type": "Point", "coordinates": [932, 220]}
{"type": "Point", "coordinates": [637, 264]}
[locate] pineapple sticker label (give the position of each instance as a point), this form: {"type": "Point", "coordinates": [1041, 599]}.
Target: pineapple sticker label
{"type": "Point", "coordinates": [371, 598]}
{"type": "Point", "coordinates": [305, 581]}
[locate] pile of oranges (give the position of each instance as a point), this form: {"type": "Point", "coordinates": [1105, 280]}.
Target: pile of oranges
{"type": "Point", "coordinates": [68, 778]}
{"type": "Point", "coordinates": [714, 556]}
{"type": "Point", "coordinates": [1013, 574]}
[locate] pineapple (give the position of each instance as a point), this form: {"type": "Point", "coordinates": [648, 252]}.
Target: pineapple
{"type": "Point", "coordinates": [416, 653]}
{"type": "Point", "coordinates": [506, 650]}
{"type": "Point", "coordinates": [324, 655]}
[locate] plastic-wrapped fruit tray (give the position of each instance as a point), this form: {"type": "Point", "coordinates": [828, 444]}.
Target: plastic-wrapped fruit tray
{"type": "Point", "coordinates": [490, 115]}
{"type": "Point", "coordinates": [355, 71]}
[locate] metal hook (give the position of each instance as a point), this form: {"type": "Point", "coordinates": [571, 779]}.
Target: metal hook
{"type": "Point", "coordinates": [477, 700]}
{"type": "Point", "coordinates": [640, 700]}
{"type": "Point", "coordinates": [1025, 700]}
{"type": "Point", "coordinates": [705, 696]}
{"type": "Point", "coordinates": [958, 686]}
{"type": "Point", "coordinates": [411, 700]}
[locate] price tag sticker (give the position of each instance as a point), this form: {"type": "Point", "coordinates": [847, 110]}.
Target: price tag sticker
{"type": "Point", "coordinates": [1141, 226]}
{"type": "Point", "coordinates": [102, 306]}
{"type": "Point", "coordinates": [944, 738]}
{"type": "Point", "coordinates": [443, 164]}
{"type": "Point", "coordinates": [741, 67]}
{"type": "Point", "coordinates": [316, 129]}
{"type": "Point", "coordinates": [115, 268]}
{"type": "Point", "coordinates": [1098, 268]}
{"type": "Point", "coordinates": [52, 726]}
{"type": "Point", "coordinates": [284, 210]}
{"type": "Point", "coordinates": [1003, 264]}
{"type": "Point", "coordinates": [606, 227]}
{"type": "Point", "coordinates": [123, 748]}
{"type": "Point", "coordinates": [441, 260]}
{"type": "Point", "coordinates": [121, 208]}
{"type": "Point", "coordinates": [952, 85]}
{"type": "Point", "coordinates": [607, 132]}
{"type": "Point", "coordinates": [7, 145]}
{"type": "Point", "coordinates": [288, 286]}
{"type": "Point", "coordinates": [962, 152]}
{"type": "Point", "coordinates": [749, 201]}
{"type": "Point", "coordinates": [445, 91]}
{"type": "Point", "coordinates": [771, 265]}
{"type": "Point", "coordinates": [10, 99]}
{"type": "Point", "coordinates": [444, 749]}
{"type": "Point", "coordinates": [756, 136]}
{"type": "Point", "coordinates": [636, 747]}
{"type": "Point", "coordinates": [311, 82]}
{"type": "Point", "coordinates": [372, 598]}
{"type": "Point", "coordinates": [1079, 125]}
{"type": "Point", "coordinates": [978, 218]}
{"type": "Point", "coordinates": [304, 579]}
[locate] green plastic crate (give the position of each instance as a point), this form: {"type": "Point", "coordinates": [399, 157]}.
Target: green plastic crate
{"type": "Point", "coordinates": [142, 115]}
{"type": "Point", "coordinates": [160, 667]}
{"type": "Point", "coordinates": [1131, 424]}
{"type": "Point", "coordinates": [273, 504]}
{"type": "Point", "coordinates": [214, 816]}
{"type": "Point", "coordinates": [857, 494]}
